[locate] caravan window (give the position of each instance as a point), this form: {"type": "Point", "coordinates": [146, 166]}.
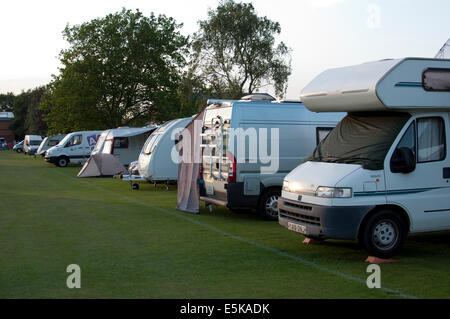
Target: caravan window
{"type": "Point", "coordinates": [120, 142]}
{"type": "Point", "coordinates": [430, 139]}
{"type": "Point", "coordinates": [436, 80]}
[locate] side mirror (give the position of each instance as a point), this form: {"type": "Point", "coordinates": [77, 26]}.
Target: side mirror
{"type": "Point", "coordinates": [403, 161]}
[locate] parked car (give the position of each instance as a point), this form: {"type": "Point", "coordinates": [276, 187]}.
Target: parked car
{"type": "Point", "coordinates": [48, 142]}
{"type": "Point", "coordinates": [18, 147]}
{"type": "Point", "coordinates": [384, 171]}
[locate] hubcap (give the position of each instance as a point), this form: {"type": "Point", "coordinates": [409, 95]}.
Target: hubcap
{"type": "Point", "coordinates": [62, 162]}
{"type": "Point", "coordinates": [272, 206]}
{"type": "Point", "coordinates": [385, 234]}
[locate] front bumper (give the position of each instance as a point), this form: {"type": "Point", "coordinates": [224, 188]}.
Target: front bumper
{"type": "Point", "coordinates": [334, 222]}
{"type": "Point", "coordinates": [51, 159]}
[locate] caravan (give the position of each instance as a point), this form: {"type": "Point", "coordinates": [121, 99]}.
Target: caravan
{"type": "Point", "coordinates": [75, 147]}
{"type": "Point", "coordinates": [155, 161]}
{"type": "Point", "coordinates": [250, 145]}
{"type": "Point", "coordinates": [384, 171]}
{"type": "Point", "coordinates": [115, 148]}
{"type": "Point", "coordinates": [31, 144]}
{"type": "Point", "coordinates": [48, 142]}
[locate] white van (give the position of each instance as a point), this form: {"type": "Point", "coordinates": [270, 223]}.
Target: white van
{"type": "Point", "coordinates": [31, 144]}
{"type": "Point", "coordinates": [48, 142]}
{"type": "Point", "coordinates": [74, 148]}
{"type": "Point", "coordinates": [155, 161]}
{"type": "Point", "coordinates": [384, 171]}
{"type": "Point", "coordinates": [250, 145]}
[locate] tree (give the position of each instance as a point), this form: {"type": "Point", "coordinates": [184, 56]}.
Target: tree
{"type": "Point", "coordinates": [237, 52]}
{"type": "Point", "coordinates": [6, 102]}
{"type": "Point", "coordinates": [119, 70]}
{"type": "Point", "coordinates": [28, 117]}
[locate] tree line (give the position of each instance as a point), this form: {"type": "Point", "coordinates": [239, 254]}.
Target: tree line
{"type": "Point", "coordinates": [128, 69]}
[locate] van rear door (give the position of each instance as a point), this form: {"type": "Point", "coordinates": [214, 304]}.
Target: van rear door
{"type": "Point", "coordinates": [217, 168]}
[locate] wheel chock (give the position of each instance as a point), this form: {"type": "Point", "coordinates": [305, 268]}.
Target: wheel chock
{"type": "Point", "coordinates": [376, 260]}
{"type": "Point", "coordinates": [310, 241]}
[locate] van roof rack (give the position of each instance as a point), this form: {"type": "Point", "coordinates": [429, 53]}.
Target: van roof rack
{"type": "Point", "coordinates": [260, 97]}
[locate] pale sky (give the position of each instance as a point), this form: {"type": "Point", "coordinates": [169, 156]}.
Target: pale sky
{"type": "Point", "coordinates": [321, 33]}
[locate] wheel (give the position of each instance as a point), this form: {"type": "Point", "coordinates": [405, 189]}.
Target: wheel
{"type": "Point", "coordinates": [135, 186]}
{"type": "Point", "coordinates": [268, 204]}
{"type": "Point", "coordinates": [19, 150]}
{"type": "Point", "coordinates": [383, 234]}
{"type": "Point", "coordinates": [62, 161]}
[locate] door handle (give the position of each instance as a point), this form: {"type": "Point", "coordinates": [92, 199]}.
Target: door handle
{"type": "Point", "coordinates": [446, 173]}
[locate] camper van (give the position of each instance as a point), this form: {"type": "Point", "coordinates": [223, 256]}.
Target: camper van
{"type": "Point", "coordinates": [74, 148]}
{"type": "Point", "coordinates": [155, 161]}
{"type": "Point", "coordinates": [250, 145]}
{"type": "Point", "coordinates": [384, 171]}
{"type": "Point", "coordinates": [48, 142]}
{"type": "Point", "coordinates": [31, 144]}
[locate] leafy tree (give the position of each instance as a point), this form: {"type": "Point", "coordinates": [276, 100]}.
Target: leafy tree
{"type": "Point", "coordinates": [28, 117]}
{"type": "Point", "coordinates": [119, 70]}
{"type": "Point", "coordinates": [6, 102]}
{"type": "Point", "coordinates": [237, 54]}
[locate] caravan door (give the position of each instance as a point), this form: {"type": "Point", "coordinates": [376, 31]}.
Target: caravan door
{"type": "Point", "coordinates": [424, 192]}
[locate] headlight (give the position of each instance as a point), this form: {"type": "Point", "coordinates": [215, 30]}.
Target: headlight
{"type": "Point", "coordinates": [333, 192]}
{"type": "Point", "coordinates": [286, 186]}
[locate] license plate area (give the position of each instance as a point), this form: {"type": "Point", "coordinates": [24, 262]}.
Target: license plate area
{"type": "Point", "coordinates": [301, 229]}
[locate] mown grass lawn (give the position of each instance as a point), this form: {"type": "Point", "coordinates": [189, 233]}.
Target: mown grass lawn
{"type": "Point", "coordinates": [134, 244]}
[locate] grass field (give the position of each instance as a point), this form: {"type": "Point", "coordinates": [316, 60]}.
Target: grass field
{"type": "Point", "coordinates": [134, 244]}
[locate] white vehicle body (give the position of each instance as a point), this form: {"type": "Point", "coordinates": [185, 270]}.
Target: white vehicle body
{"type": "Point", "coordinates": [155, 161]}
{"type": "Point", "coordinates": [331, 197]}
{"type": "Point", "coordinates": [31, 144]}
{"type": "Point", "coordinates": [75, 148]}
{"type": "Point", "coordinates": [48, 142]}
{"type": "Point", "coordinates": [18, 147]}
{"type": "Point", "coordinates": [236, 179]}
{"type": "Point", "coordinates": [125, 143]}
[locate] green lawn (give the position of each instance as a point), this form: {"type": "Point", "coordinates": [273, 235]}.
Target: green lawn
{"type": "Point", "coordinates": [134, 244]}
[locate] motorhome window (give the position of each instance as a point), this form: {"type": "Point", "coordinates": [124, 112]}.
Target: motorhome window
{"type": "Point", "coordinates": [409, 139]}
{"type": "Point", "coordinates": [361, 138]}
{"type": "Point", "coordinates": [121, 142]}
{"type": "Point", "coordinates": [436, 80]}
{"type": "Point", "coordinates": [321, 133]}
{"type": "Point", "coordinates": [430, 139]}
{"type": "Point", "coordinates": [75, 140]}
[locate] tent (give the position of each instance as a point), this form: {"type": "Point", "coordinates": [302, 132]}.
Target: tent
{"type": "Point", "coordinates": [101, 165]}
{"type": "Point", "coordinates": [188, 147]}
{"type": "Point", "coordinates": [125, 143]}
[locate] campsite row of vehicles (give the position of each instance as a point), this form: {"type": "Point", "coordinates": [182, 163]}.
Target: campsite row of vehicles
{"type": "Point", "coordinates": [363, 156]}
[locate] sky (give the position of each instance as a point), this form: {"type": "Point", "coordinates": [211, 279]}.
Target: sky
{"type": "Point", "coordinates": [321, 33]}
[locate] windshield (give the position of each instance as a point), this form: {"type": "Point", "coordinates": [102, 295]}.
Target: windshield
{"type": "Point", "coordinates": [65, 139]}
{"type": "Point", "coordinates": [35, 142]}
{"type": "Point", "coordinates": [100, 141]}
{"type": "Point", "coordinates": [361, 138]}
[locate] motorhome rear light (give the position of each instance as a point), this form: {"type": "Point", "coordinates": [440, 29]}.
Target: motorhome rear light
{"type": "Point", "coordinates": [232, 169]}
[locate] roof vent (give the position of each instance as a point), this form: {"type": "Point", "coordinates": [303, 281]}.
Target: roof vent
{"type": "Point", "coordinates": [258, 97]}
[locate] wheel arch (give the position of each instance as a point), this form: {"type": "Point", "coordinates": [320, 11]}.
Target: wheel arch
{"type": "Point", "coordinates": [395, 208]}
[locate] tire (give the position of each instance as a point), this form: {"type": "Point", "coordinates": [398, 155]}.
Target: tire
{"type": "Point", "coordinates": [19, 150]}
{"type": "Point", "coordinates": [62, 161]}
{"type": "Point", "coordinates": [383, 234]}
{"type": "Point", "coordinates": [135, 186]}
{"type": "Point", "coordinates": [268, 204]}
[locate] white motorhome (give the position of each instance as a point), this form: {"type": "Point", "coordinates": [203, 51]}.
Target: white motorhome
{"type": "Point", "coordinates": [125, 143]}
{"type": "Point", "coordinates": [384, 171]}
{"type": "Point", "coordinates": [31, 144]}
{"type": "Point", "coordinates": [48, 142]}
{"type": "Point", "coordinates": [155, 161]}
{"type": "Point", "coordinates": [75, 148]}
{"type": "Point", "coordinates": [250, 145]}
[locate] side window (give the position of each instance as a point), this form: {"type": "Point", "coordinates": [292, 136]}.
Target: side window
{"type": "Point", "coordinates": [321, 133]}
{"type": "Point", "coordinates": [53, 142]}
{"type": "Point", "coordinates": [409, 139]}
{"type": "Point", "coordinates": [430, 139]}
{"type": "Point", "coordinates": [120, 142]}
{"type": "Point", "coordinates": [436, 80]}
{"type": "Point", "coordinates": [75, 140]}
